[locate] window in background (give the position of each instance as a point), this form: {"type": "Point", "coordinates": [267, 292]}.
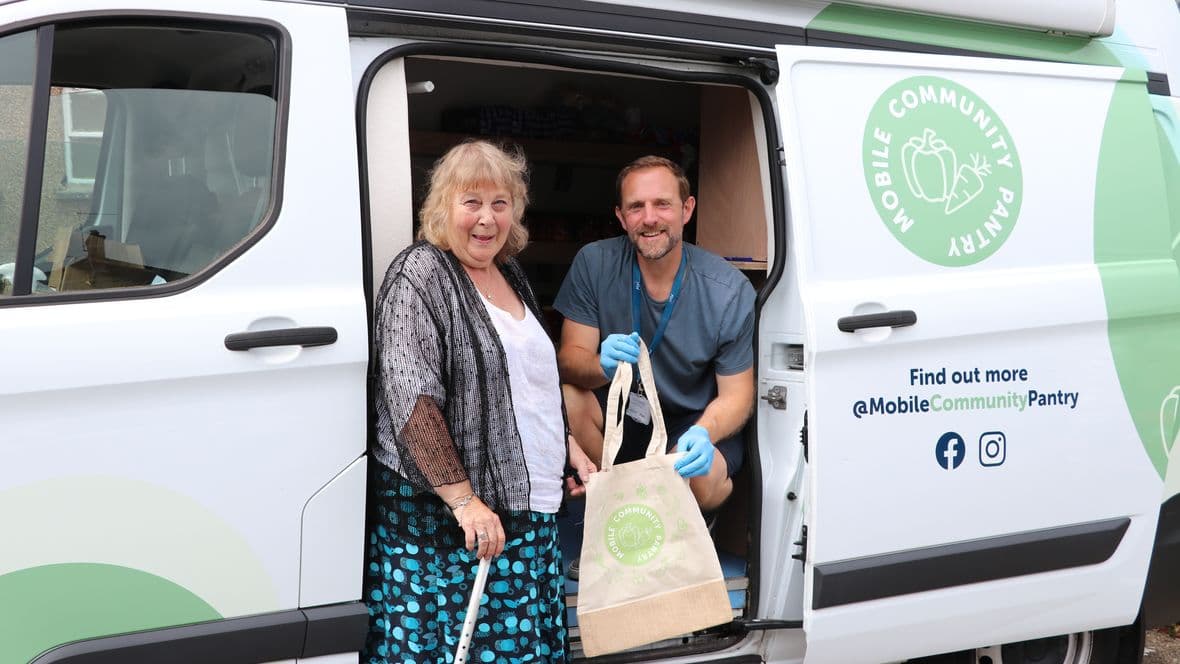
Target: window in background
{"type": "Point", "coordinates": [83, 115]}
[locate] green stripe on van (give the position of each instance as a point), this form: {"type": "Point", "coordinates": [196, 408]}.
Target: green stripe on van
{"type": "Point", "coordinates": [950, 33]}
{"type": "Point", "coordinates": [47, 606]}
{"type": "Point", "coordinates": [1140, 280]}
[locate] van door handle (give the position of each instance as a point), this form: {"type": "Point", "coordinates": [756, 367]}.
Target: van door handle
{"type": "Point", "coordinates": [291, 336]}
{"type": "Point", "coordinates": [899, 318]}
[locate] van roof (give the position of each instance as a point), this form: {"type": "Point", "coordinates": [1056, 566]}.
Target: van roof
{"type": "Point", "coordinates": [1089, 18]}
{"type": "Point", "coordinates": [1142, 35]}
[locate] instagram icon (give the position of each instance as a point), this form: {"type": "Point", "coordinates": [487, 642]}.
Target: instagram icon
{"type": "Point", "coordinates": [993, 448]}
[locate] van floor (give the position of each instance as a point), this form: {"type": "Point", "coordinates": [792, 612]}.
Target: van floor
{"type": "Point", "coordinates": [570, 533]}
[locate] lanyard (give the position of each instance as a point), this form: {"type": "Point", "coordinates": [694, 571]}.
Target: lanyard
{"type": "Point", "coordinates": [637, 297]}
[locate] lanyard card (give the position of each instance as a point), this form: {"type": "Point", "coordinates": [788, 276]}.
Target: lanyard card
{"type": "Point", "coordinates": [638, 409]}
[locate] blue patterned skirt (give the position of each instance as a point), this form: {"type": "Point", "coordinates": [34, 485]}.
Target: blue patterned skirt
{"type": "Point", "coordinates": [419, 578]}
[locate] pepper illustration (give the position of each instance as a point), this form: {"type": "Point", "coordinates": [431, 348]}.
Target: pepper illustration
{"type": "Point", "coordinates": [632, 537]}
{"type": "Point", "coordinates": [929, 165]}
{"type": "Point", "coordinates": [968, 183]}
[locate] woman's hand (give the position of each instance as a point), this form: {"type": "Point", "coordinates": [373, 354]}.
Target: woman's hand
{"type": "Point", "coordinates": [582, 465]}
{"type": "Point", "coordinates": [482, 529]}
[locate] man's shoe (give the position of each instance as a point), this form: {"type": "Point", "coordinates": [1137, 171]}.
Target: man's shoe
{"type": "Point", "coordinates": [572, 572]}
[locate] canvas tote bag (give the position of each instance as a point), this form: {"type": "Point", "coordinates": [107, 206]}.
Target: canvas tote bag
{"type": "Point", "coordinates": [649, 570]}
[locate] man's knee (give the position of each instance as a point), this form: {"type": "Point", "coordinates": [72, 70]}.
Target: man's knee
{"type": "Point", "coordinates": [713, 489]}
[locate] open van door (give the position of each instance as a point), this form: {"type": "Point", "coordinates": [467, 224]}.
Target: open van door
{"type": "Point", "coordinates": [982, 465]}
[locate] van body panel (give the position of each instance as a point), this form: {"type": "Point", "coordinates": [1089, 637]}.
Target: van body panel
{"type": "Point", "coordinates": [781, 452]}
{"type": "Point", "coordinates": [1144, 37]}
{"type": "Point", "coordinates": [964, 435]}
{"type": "Point", "coordinates": [1166, 452]}
{"type": "Point", "coordinates": [1141, 283]}
{"type": "Point", "coordinates": [1072, 32]}
{"type": "Point", "coordinates": [949, 33]}
{"type": "Point", "coordinates": [1091, 18]}
{"type": "Point", "coordinates": [327, 564]}
{"type": "Point", "coordinates": [149, 448]}
{"type": "Point", "coordinates": [954, 434]}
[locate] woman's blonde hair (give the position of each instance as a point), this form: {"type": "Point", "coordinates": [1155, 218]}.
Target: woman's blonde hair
{"type": "Point", "coordinates": [470, 164]}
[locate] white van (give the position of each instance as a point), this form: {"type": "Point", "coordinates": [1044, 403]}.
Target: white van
{"type": "Point", "coordinates": [963, 223]}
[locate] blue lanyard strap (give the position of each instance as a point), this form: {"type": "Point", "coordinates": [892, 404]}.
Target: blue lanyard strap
{"type": "Point", "coordinates": [637, 297]}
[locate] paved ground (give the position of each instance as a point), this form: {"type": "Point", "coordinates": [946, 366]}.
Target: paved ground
{"type": "Point", "coordinates": [1161, 649]}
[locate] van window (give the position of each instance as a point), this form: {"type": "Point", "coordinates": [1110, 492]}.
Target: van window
{"type": "Point", "coordinates": [17, 60]}
{"type": "Point", "coordinates": [155, 167]}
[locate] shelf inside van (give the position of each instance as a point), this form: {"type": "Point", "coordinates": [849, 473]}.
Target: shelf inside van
{"type": "Point", "coordinates": [609, 155]}
{"type": "Point", "coordinates": [746, 263]}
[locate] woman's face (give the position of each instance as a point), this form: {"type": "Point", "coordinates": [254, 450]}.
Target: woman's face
{"type": "Point", "coordinates": [481, 218]}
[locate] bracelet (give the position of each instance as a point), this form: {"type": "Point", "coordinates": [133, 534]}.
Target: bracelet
{"type": "Point", "coordinates": [461, 503]}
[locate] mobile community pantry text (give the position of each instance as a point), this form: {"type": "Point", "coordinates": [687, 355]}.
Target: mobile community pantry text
{"type": "Point", "coordinates": [938, 403]}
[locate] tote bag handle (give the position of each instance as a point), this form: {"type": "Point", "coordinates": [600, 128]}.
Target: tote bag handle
{"type": "Point", "coordinates": [616, 409]}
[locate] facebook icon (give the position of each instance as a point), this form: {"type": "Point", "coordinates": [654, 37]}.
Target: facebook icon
{"type": "Point", "coordinates": [950, 450]}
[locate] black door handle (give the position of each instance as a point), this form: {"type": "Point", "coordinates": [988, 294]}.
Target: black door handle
{"type": "Point", "coordinates": [899, 318]}
{"type": "Point", "coordinates": [291, 336]}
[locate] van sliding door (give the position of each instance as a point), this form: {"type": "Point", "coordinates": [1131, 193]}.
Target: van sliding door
{"type": "Point", "coordinates": [182, 371]}
{"type": "Point", "coordinates": [984, 263]}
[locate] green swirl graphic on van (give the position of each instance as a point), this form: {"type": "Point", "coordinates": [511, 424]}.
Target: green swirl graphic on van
{"type": "Point", "coordinates": [634, 534]}
{"type": "Point", "coordinates": [942, 171]}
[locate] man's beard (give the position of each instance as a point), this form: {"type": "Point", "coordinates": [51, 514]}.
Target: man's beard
{"type": "Point", "coordinates": [655, 253]}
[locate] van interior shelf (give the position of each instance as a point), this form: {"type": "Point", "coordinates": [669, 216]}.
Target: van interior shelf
{"type": "Point", "coordinates": [608, 155]}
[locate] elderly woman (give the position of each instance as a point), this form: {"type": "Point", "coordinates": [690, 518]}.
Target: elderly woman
{"type": "Point", "coordinates": [472, 445]}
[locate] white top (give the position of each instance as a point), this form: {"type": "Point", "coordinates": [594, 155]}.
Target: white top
{"type": "Point", "coordinates": [536, 402]}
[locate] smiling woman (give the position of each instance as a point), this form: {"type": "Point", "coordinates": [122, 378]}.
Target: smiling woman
{"type": "Point", "coordinates": [468, 465]}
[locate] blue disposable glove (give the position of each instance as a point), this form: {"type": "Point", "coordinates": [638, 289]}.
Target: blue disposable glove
{"type": "Point", "coordinates": [698, 449]}
{"type": "Point", "coordinates": [618, 348]}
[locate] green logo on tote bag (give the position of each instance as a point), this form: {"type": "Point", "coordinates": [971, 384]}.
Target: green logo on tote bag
{"type": "Point", "coordinates": [634, 534]}
{"type": "Point", "coordinates": [942, 171]}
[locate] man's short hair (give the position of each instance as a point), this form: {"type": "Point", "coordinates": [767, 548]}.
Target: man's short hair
{"type": "Point", "coordinates": [652, 161]}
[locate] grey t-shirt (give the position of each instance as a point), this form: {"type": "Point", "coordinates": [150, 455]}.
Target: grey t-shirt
{"type": "Point", "coordinates": [711, 330]}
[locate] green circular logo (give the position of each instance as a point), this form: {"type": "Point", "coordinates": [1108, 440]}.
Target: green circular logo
{"type": "Point", "coordinates": [942, 171]}
{"type": "Point", "coordinates": [634, 534]}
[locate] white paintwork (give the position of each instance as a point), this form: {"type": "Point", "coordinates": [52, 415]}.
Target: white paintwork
{"type": "Point", "coordinates": [141, 397]}
{"type": "Point", "coordinates": [1083, 17]}
{"type": "Point", "coordinates": [276, 526]}
{"type": "Point", "coordinates": [387, 154]}
{"type": "Point", "coordinates": [1005, 312]}
{"type": "Point", "coordinates": [794, 13]}
{"type": "Point", "coordinates": [328, 565]}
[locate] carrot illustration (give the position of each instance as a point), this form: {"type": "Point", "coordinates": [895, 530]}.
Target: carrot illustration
{"type": "Point", "coordinates": [968, 183]}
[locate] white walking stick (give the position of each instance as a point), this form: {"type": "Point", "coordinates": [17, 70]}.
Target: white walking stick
{"type": "Point", "coordinates": [481, 579]}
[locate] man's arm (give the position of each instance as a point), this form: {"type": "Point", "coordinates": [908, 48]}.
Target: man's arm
{"type": "Point", "coordinates": [577, 357]}
{"type": "Point", "coordinates": [732, 406]}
